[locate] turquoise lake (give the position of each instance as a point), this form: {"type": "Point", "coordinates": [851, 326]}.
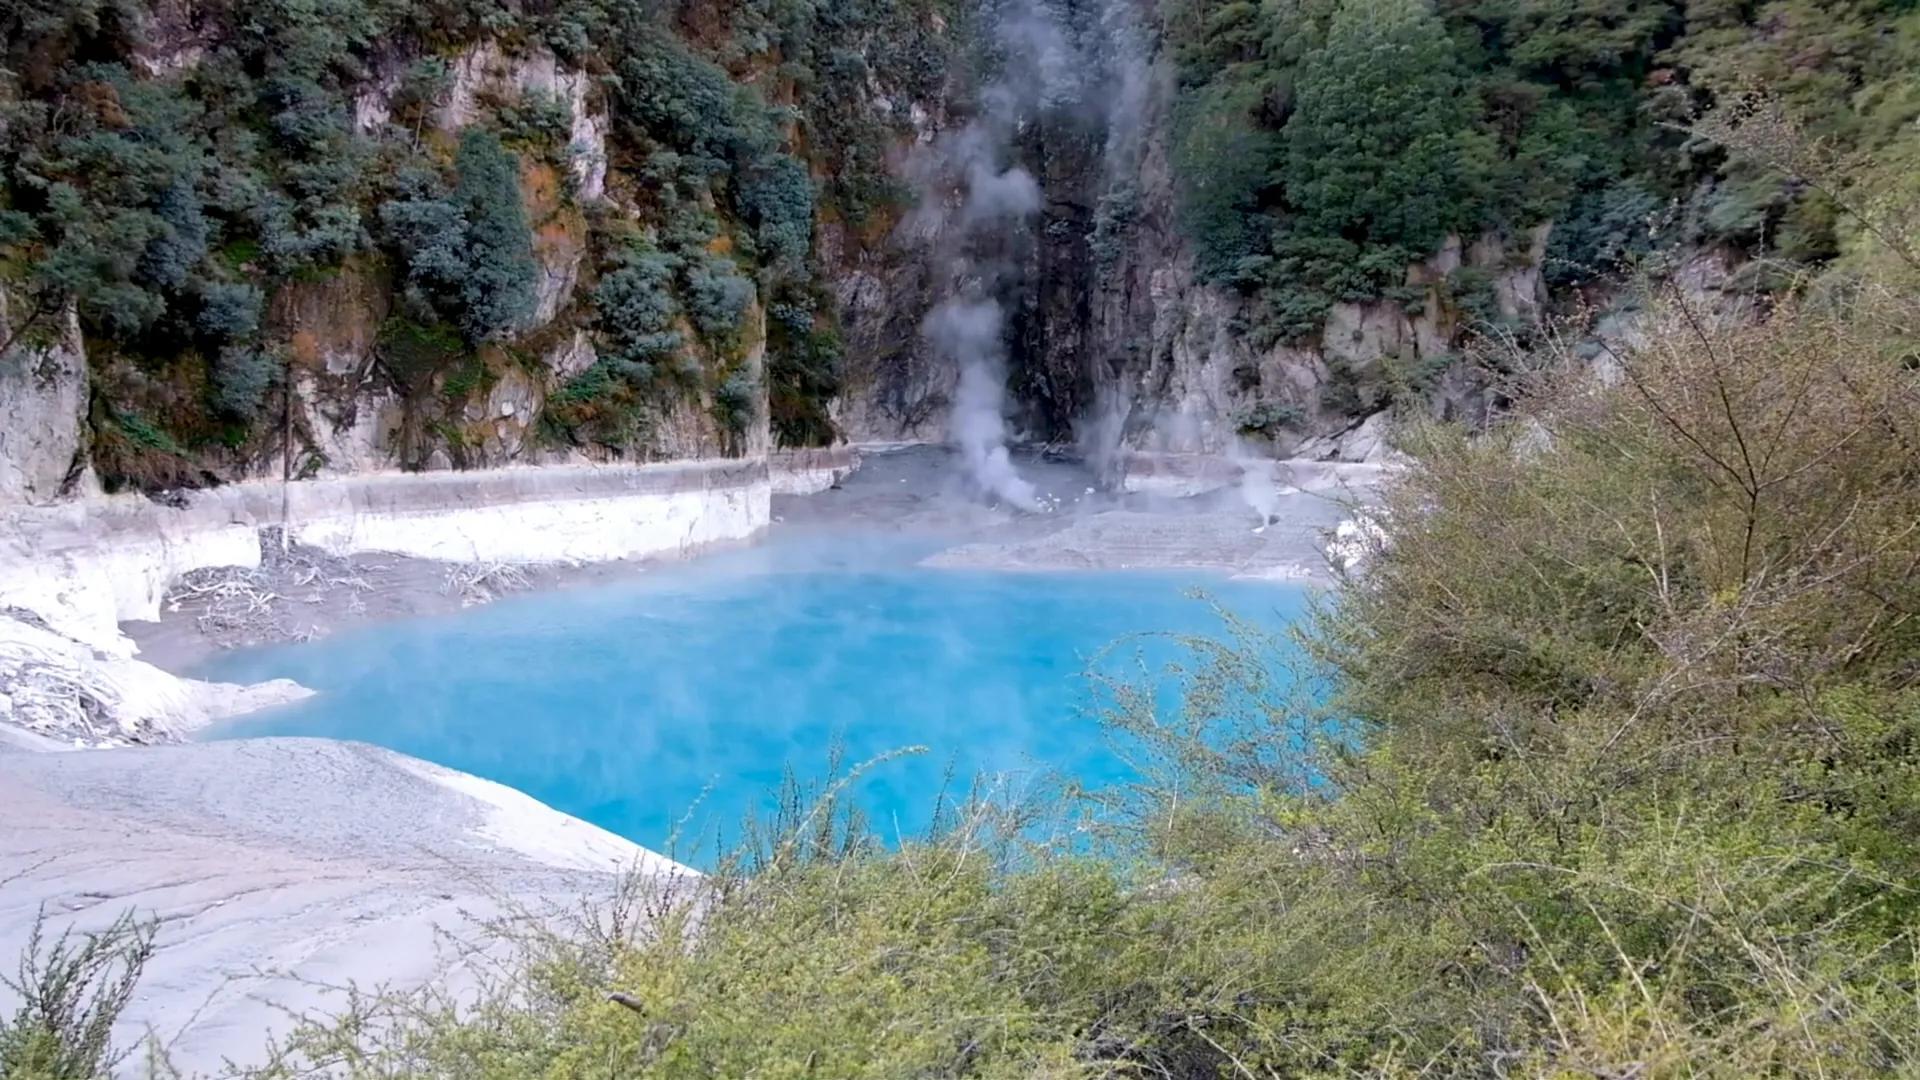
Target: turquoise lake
{"type": "Point", "coordinates": [674, 701]}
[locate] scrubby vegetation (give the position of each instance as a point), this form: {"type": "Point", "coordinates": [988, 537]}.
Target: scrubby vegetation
{"type": "Point", "coordinates": [71, 990]}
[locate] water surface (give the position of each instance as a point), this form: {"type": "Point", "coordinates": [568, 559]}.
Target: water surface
{"type": "Point", "coordinates": [694, 686]}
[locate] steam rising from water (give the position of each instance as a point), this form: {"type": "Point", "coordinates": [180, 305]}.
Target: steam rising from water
{"type": "Point", "coordinates": [1084, 67]}
{"type": "Point", "coordinates": [674, 702]}
{"type": "Point", "coordinates": [970, 329]}
{"type": "Point", "coordinates": [997, 201]}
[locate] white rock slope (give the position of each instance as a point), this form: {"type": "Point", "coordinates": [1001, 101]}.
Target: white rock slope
{"type": "Point", "coordinates": [282, 867]}
{"type": "Point", "coordinates": [59, 688]}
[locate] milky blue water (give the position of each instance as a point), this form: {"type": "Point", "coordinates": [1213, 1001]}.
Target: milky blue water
{"type": "Point", "coordinates": [692, 687]}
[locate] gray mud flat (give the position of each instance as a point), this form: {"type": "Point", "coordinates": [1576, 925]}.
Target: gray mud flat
{"type": "Point", "coordinates": [1080, 525]}
{"type": "Point", "coordinates": [1131, 540]}
{"type": "Point", "coordinates": [278, 868]}
{"type": "Point", "coordinates": [302, 594]}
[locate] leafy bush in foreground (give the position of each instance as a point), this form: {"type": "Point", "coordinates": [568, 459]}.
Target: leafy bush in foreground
{"type": "Point", "coordinates": [71, 991]}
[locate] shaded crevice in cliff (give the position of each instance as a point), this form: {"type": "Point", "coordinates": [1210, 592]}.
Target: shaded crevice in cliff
{"type": "Point", "coordinates": [1053, 375]}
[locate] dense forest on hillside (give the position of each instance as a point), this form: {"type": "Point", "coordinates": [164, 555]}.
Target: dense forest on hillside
{"type": "Point", "coordinates": [202, 181]}
{"type": "Point", "coordinates": [1324, 145]}
{"type": "Point", "coordinates": [171, 169]}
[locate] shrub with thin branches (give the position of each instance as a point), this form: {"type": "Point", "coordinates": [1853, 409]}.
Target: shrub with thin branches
{"type": "Point", "coordinates": [72, 989]}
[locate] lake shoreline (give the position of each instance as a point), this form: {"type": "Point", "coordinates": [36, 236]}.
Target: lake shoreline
{"type": "Point", "coordinates": [1207, 527]}
{"type": "Point", "coordinates": [232, 584]}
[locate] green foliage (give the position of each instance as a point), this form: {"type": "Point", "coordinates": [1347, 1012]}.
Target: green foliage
{"type": "Point", "coordinates": [1113, 215]}
{"type": "Point", "coordinates": [71, 992]}
{"type": "Point", "coordinates": [1344, 393]}
{"type": "Point", "coordinates": [645, 361]}
{"type": "Point", "coordinates": [413, 353]}
{"type": "Point", "coordinates": [1604, 232]}
{"type": "Point", "coordinates": [804, 360]}
{"type": "Point", "coordinates": [497, 294]}
{"type": "Point", "coordinates": [734, 404]}
{"type": "Point", "coordinates": [40, 36]}
{"type": "Point", "coordinates": [717, 296]}
{"type": "Point", "coordinates": [715, 129]}
{"type": "Point", "coordinates": [130, 452]}
{"type": "Point", "coordinates": [687, 103]}
{"type": "Point", "coordinates": [1226, 161]}
{"type": "Point", "coordinates": [230, 311]}
{"type": "Point", "coordinates": [540, 120]}
{"type": "Point", "coordinates": [637, 312]}
{"type": "Point", "coordinates": [1387, 124]}
{"type": "Point", "coordinates": [311, 217]}
{"type": "Point", "coordinates": [428, 232]}
{"type": "Point", "coordinates": [467, 252]}
{"type": "Point", "coordinates": [836, 54]}
{"type": "Point", "coordinates": [605, 405]}
{"type": "Point", "coordinates": [241, 378]}
{"type": "Point", "coordinates": [1270, 417]}
{"type": "Point", "coordinates": [112, 194]}
{"type": "Point", "coordinates": [776, 197]}
{"type": "Point", "coordinates": [1470, 291]}
{"type": "Point", "coordinates": [423, 87]}
{"type": "Point", "coordinates": [154, 199]}
{"type": "Point", "coordinates": [1381, 147]}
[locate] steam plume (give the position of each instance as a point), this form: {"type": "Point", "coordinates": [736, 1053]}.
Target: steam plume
{"type": "Point", "coordinates": [1081, 65]}
{"type": "Point", "coordinates": [997, 201]}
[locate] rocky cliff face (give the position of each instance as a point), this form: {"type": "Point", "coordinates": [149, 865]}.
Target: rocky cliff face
{"type": "Point", "coordinates": [1110, 341]}
{"type": "Point", "coordinates": [1115, 346]}
{"type": "Point", "coordinates": [43, 405]}
{"type": "Point", "coordinates": [352, 412]}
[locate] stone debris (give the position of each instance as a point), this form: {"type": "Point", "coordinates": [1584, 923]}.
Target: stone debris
{"type": "Point", "coordinates": [236, 606]}
{"type": "Point", "coordinates": [64, 690]}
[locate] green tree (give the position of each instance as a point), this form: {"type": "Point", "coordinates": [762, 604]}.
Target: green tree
{"type": "Point", "coordinates": [1225, 161]}
{"type": "Point", "coordinates": [1383, 146]}
{"type": "Point", "coordinates": [637, 312]}
{"type": "Point", "coordinates": [497, 296]}
{"type": "Point", "coordinates": [717, 296]}
{"type": "Point", "coordinates": [428, 232]}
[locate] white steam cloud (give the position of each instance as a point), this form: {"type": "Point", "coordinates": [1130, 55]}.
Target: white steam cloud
{"type": "Point", "coordinates": [1085, 64]}
{"type": "Point", "coordinates": [1120, 49]}
{"type": "Point", "coordinates": [971, 329]}
{"type": "Point", "coordinates": [997, 201]}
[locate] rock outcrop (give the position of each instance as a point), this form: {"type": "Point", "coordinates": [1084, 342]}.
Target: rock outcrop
{"type": "Point", "coordinates": [43, 405]}
{"type": "Point", "coordinates": [352, 419]}
{"type": "Point", "coordinates": [1119, 348]}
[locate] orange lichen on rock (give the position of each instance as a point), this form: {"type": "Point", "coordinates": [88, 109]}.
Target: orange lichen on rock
{"type": "Point", "coordinates": [539, 190]}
